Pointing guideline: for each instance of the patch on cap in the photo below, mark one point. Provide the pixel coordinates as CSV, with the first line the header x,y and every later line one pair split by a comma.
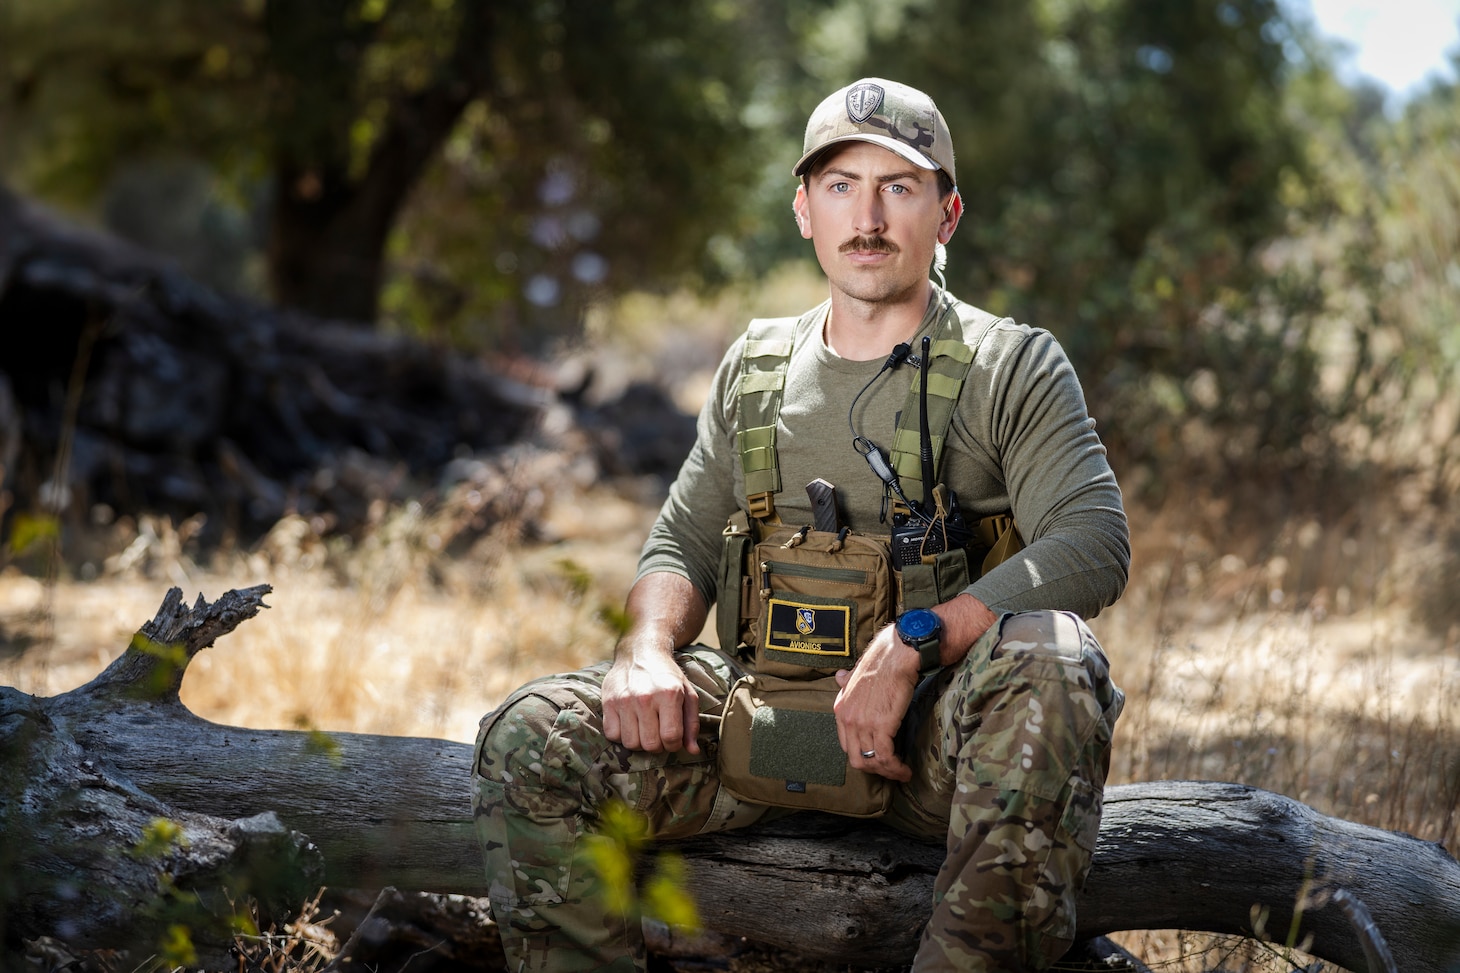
x,y
863,99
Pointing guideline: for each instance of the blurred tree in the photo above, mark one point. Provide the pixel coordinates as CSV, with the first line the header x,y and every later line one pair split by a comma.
x,y
1120,161
625,150
570,122
361,98
1188,198
1419,159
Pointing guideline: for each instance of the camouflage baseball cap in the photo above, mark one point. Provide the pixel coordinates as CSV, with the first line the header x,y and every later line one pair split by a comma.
x,y
885,113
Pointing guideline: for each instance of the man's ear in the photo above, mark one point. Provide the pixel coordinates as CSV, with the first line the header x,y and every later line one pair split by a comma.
x,y
802,211
952,213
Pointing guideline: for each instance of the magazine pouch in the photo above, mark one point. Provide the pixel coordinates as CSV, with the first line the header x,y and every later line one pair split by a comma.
x,y
734,596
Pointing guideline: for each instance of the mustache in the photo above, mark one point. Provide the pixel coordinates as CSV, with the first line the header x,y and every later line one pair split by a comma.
x,y
868,244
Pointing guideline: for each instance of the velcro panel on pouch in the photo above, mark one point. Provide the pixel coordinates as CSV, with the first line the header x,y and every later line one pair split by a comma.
x,y
797,746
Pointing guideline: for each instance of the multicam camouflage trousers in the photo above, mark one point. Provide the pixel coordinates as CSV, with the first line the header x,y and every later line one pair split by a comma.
x,y
1009,757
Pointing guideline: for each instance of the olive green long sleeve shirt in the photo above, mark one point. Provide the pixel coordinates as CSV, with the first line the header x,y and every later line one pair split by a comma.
x,y
1021,440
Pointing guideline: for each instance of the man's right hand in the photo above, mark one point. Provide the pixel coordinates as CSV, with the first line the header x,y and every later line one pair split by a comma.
x,y
649,703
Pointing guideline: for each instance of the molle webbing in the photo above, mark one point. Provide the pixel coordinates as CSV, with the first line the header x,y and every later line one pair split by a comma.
x,y
762,385
768,348
949,364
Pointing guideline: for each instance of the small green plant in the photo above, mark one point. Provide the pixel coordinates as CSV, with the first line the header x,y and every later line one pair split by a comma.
x,y
320,742
173,657
176,948
578,578
614,853
161,837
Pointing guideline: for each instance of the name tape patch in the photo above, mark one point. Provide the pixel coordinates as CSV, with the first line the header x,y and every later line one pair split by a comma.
x,y
811,629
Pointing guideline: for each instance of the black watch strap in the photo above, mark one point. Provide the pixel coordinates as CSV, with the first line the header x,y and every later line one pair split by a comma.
x,y
930,655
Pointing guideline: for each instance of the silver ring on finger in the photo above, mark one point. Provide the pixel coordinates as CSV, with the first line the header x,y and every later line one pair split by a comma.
x,y
869,754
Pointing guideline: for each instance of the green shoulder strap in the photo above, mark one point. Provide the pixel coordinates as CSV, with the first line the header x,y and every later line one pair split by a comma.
x,y
768,345
955,341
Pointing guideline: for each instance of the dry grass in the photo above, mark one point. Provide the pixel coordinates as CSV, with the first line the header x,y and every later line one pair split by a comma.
x,y
382,638
1231,675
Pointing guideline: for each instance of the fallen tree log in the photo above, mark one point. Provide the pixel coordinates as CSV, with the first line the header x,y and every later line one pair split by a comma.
x,y
93,775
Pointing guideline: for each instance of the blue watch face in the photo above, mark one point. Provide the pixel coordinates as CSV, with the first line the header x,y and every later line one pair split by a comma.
x,y
918,624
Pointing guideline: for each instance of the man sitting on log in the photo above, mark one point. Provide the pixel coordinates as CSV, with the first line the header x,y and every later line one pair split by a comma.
x,y
903,640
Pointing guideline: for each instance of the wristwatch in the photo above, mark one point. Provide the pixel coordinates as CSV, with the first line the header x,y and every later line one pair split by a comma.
x,y
923,630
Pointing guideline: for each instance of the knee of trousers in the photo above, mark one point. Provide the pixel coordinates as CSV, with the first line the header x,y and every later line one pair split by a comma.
x,y
1034,703
536,742
1056,647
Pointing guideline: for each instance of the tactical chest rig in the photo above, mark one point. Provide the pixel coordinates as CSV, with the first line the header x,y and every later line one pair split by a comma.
x,y
802,602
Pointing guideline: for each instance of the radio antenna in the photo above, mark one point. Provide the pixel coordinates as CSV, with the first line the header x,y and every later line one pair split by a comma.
x,y
925,438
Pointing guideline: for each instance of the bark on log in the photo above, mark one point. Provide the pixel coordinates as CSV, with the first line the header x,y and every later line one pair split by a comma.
x,y
90,768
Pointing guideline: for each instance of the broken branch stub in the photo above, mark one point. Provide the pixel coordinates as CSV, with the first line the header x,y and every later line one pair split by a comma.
x,y
153,665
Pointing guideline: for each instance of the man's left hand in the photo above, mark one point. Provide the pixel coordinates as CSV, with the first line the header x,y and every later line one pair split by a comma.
x,y
873,698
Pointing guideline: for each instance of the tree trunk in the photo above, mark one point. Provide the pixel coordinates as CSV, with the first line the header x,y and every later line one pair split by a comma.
x,y
89,774
329,224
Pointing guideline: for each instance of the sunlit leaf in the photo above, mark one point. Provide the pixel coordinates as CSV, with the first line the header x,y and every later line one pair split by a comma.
x,y
160,837
176,948
28,531
667,896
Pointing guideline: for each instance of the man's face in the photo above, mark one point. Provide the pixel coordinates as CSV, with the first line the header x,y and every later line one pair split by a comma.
x,y
874,219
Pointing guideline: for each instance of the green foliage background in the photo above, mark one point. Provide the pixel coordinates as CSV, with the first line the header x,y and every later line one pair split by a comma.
x,y
1256,269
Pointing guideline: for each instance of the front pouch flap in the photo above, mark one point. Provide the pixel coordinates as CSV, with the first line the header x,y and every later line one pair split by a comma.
x,y
778,746
935,580
822,598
